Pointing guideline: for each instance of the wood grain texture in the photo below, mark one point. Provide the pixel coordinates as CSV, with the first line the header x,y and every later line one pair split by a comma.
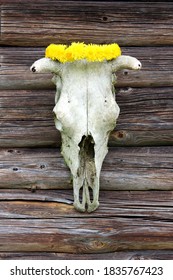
x,y
121,255
102,236
124,221
124,168
35,24
47,204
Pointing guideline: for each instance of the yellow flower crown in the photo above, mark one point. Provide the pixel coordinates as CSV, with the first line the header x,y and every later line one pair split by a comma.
x,y
78,51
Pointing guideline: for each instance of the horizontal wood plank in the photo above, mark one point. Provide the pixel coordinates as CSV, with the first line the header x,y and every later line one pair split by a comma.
x,y
25,80
123,255
45,204
123,169
84,235
44,225
157,68
41,23
146,118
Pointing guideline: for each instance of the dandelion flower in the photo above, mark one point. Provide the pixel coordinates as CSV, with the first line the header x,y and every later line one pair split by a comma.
x,y
79,51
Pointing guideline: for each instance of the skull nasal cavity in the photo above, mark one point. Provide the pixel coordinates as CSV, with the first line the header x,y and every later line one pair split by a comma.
x,y
87,144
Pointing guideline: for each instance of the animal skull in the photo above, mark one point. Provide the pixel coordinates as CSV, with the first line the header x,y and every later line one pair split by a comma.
x,y
85,114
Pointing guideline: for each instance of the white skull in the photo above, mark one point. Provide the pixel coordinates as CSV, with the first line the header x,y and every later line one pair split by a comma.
x,y
85,114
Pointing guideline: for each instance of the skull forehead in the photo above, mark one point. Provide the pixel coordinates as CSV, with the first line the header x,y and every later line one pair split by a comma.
x,y
87,68
86,102
81,76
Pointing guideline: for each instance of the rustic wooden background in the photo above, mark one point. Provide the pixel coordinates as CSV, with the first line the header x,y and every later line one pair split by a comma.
x,y
135,217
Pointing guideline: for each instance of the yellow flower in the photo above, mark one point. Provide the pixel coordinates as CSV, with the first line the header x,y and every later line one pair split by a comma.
x,y
55,52
92,52
78,51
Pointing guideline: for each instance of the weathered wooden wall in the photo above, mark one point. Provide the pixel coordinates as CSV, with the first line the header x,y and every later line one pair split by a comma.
x,y
37,219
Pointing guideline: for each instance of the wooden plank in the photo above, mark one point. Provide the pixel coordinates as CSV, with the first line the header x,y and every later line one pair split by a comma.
x,y
35,24
43,134
32,223
146,118
26,119
139,138
157,68
123,169
45,204
25,80
85,235
123,255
